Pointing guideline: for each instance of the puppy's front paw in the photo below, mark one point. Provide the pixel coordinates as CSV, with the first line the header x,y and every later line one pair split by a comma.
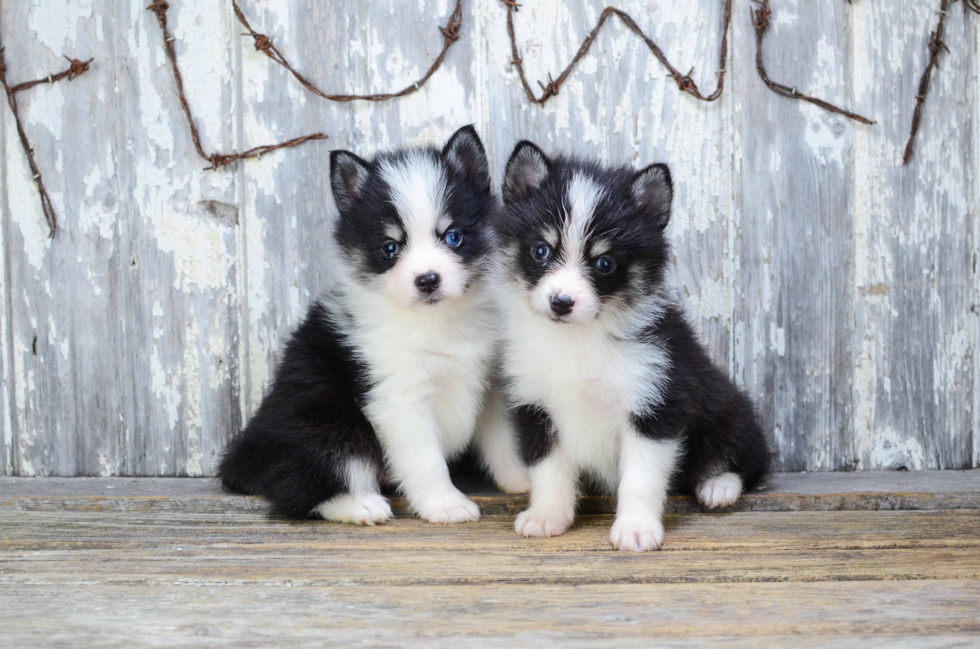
x,y
719,491
541,524
637,535
457,509
360,509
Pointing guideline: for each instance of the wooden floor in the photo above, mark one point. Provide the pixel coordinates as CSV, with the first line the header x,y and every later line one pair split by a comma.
x,y
100,563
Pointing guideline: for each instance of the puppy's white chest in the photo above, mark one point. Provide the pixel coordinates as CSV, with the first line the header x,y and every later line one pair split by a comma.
x,y
590,385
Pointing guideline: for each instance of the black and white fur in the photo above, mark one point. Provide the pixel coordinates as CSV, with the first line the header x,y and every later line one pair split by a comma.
x,y
388,375
606,377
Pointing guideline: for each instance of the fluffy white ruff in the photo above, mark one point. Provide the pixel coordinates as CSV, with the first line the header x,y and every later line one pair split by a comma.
x,y
589,377
429,367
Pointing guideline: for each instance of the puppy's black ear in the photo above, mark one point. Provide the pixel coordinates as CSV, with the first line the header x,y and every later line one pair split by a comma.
x,y
465,152
348,175
654,192
526,171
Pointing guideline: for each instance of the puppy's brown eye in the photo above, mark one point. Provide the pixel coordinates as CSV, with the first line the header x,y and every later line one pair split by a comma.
x,y
605,264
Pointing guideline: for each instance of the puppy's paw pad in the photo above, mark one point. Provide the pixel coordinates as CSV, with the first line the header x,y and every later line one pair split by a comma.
x,y
719,491
637,536
534,524
360,509
463,510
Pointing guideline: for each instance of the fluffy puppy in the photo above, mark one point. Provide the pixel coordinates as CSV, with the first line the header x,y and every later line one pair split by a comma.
x,y
606,377
387,377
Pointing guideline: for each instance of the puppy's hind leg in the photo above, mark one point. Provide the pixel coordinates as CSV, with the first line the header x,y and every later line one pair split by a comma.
x,y
362,503
719,491
495,441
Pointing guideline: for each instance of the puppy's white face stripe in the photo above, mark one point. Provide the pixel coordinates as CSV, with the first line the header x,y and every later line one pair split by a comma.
x,y
418,189
570,278
583,195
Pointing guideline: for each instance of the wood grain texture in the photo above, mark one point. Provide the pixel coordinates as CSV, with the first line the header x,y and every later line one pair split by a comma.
x,y
852,491
795,235
236,579
134,304
837,286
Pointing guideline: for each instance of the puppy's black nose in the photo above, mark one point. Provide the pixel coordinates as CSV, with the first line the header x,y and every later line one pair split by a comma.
x,y
562,304
428,282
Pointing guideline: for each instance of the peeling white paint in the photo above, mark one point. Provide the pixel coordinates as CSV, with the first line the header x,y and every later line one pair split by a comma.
x,y
893,450
55,23
740,178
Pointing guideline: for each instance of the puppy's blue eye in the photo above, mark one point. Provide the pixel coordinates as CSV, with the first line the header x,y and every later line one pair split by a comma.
x,y
605,265
390,249
541,251
454,238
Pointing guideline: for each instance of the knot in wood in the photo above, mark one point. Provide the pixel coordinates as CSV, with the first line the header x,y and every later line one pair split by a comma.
x,y
511,3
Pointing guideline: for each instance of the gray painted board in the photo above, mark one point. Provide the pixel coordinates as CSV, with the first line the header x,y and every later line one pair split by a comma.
x,y
837,286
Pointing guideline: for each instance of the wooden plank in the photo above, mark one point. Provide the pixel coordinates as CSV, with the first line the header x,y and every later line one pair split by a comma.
x,y
795,237
179,250
921,614
167,548
238,579
6,371
916,325
59,288
133,305
930,490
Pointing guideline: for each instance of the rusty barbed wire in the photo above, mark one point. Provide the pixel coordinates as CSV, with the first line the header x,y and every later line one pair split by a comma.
x,y
936,45
75,69
760,22
684,81
217,160
264,44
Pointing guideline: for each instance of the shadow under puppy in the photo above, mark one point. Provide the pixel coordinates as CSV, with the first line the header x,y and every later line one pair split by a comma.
x,y
605,375
388,375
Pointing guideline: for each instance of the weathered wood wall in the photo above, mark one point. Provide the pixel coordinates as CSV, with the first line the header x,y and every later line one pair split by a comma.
x,y
839,287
